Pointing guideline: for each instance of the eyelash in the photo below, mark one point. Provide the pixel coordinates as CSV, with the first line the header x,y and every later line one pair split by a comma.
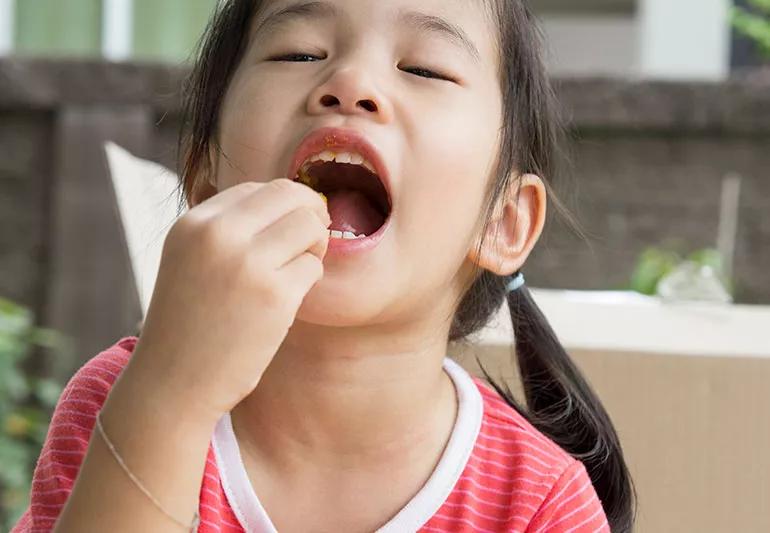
x,y
410,70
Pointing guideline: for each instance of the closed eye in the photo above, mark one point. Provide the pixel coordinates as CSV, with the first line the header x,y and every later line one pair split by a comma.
x,y
426,73
297,58
309,58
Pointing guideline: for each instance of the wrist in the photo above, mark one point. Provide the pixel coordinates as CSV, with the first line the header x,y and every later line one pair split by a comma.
x,y
152,398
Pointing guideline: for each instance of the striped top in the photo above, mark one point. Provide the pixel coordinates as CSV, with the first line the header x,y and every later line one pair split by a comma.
x,y
496,473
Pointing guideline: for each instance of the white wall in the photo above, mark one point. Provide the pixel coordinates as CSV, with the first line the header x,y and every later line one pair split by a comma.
x,y
117,25
6,26
685,39
583,45
659,39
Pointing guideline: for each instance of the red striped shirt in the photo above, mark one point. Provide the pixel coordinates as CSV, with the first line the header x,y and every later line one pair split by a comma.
x,y
513,478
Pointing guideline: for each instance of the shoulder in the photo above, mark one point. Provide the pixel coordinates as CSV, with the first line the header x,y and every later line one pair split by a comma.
x,y
504,428
539,482
74,416
87,389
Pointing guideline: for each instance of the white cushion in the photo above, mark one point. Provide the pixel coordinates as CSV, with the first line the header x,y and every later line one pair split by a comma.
x,y
148,204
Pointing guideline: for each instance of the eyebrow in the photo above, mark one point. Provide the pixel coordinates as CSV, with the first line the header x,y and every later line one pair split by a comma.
x,y
415,19
303,10
438,25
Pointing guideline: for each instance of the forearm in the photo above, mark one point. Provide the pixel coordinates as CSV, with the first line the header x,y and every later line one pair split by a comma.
x,y
161,445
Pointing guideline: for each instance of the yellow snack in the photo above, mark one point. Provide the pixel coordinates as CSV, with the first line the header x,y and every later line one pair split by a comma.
x,y
308,180
305,178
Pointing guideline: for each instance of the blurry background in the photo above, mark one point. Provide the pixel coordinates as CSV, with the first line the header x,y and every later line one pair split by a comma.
x,y
668,108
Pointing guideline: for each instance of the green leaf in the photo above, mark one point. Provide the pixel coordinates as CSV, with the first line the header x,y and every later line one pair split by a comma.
x,y
753,26
14,502
15,458
47,338
762,5
47,391
23,423
653,264
15,320
712,258
14,385
707,257
34,421
12,347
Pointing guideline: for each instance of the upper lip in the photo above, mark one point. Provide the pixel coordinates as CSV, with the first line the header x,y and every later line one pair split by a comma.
x,y
340,140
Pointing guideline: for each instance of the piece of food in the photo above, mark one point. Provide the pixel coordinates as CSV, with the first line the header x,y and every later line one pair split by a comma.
x,y
311,182
307,179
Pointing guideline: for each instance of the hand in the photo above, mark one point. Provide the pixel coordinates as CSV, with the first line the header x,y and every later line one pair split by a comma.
x,y
233,273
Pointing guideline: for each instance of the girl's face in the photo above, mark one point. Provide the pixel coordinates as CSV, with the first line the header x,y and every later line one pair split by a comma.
x,y
418,79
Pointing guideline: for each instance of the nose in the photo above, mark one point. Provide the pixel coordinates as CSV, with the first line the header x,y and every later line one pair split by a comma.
x,y
350,91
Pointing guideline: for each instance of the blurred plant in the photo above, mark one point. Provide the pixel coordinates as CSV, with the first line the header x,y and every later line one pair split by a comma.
x,y
754,23
655,263
25,406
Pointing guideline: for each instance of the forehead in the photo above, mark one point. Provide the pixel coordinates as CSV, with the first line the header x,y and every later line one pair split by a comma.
x,y
467,22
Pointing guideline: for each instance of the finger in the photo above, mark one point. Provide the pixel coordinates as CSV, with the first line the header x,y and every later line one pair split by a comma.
x,y
293,234
255,205
224,199
304,271
275,200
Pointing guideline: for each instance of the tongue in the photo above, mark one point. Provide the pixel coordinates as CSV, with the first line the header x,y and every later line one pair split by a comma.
x,y
351,210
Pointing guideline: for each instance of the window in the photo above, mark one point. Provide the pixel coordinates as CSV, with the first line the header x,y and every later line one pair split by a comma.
x,y
168,29
157,30
57,28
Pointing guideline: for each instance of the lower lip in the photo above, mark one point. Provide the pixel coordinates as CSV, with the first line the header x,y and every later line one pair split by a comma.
x,y
355,246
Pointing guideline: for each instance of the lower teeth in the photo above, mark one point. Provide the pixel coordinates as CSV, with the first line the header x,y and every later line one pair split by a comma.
x,y
334,234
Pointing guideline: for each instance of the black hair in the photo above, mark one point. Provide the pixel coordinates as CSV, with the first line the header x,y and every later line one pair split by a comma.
x,y
559,401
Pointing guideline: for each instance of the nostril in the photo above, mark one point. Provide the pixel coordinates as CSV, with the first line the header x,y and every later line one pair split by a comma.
x,y
368,105
329,100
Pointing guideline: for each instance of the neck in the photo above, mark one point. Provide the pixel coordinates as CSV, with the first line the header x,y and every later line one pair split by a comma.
x,y
349,398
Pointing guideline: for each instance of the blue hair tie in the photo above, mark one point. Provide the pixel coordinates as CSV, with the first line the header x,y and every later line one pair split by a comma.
x,y
515,282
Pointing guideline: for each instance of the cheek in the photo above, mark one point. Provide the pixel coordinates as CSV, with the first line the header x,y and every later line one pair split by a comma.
x,y
250,124
440,215
446,196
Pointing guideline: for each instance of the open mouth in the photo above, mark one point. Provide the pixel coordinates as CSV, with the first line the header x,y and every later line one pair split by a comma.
x,y
358,202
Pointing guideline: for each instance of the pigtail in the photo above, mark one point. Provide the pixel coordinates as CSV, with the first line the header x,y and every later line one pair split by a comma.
x,y
562,405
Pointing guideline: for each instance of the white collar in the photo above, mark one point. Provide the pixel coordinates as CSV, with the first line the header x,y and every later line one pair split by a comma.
x,y
253,518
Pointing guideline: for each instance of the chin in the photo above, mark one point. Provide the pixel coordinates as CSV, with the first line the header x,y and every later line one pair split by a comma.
x,y
343,306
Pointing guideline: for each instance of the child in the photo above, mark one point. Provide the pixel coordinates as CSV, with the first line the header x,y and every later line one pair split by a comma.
x,y
292,371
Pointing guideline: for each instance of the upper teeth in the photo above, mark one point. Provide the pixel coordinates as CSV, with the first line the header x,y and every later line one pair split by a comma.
x,y
351,158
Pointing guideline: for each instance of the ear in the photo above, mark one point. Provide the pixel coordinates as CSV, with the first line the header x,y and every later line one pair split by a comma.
x,y
514,228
